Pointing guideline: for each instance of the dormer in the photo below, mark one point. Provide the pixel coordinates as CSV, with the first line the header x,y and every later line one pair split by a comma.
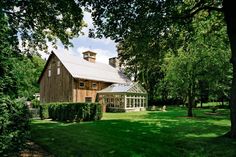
x,y
89,56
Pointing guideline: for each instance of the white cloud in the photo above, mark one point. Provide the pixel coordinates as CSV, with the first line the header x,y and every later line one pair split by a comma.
x,y
105,41
89,21
51,48
105,47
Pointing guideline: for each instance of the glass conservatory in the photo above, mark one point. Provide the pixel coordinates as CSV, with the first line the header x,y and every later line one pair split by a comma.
x,y
124,97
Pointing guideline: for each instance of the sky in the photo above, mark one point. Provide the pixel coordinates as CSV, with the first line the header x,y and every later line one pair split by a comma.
x,y
105,47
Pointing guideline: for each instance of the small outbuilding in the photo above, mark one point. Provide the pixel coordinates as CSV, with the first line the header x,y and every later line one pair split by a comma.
x,y
124,97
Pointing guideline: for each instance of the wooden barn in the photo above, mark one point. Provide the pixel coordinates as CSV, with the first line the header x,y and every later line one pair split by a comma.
x,y
70,78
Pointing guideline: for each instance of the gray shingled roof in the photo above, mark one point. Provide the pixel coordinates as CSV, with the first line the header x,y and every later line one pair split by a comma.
x,y
133,87
80,68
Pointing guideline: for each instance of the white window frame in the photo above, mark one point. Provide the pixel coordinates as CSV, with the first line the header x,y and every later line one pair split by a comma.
x,y
58,70
94,87
49,72
83,84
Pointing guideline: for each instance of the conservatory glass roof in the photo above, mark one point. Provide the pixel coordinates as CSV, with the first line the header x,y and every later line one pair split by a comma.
x,y
133,87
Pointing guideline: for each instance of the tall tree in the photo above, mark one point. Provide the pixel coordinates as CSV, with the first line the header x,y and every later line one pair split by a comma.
x,y
26,72
117,19
140,65
39,21
33,23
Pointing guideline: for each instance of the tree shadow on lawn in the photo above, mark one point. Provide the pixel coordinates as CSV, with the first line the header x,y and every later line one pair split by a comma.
x,y
155,135
201,135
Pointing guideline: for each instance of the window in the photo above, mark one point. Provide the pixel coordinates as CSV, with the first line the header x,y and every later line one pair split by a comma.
x,y
88,99
58,68
94,85
58,71
49,73
81,84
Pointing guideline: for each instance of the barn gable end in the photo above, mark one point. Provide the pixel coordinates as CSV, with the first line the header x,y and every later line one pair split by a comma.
x,y
56,83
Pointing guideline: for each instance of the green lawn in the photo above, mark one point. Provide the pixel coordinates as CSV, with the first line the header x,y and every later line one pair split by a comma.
x,y
136,134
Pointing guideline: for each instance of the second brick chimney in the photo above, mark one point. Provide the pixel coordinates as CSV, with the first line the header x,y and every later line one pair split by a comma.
x,y
114,62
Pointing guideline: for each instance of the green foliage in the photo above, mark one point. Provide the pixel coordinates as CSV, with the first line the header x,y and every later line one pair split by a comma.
x,y
71,111
26,72
14,125
37,22
199,61
18,74
43,111
7,52
147,30
35,103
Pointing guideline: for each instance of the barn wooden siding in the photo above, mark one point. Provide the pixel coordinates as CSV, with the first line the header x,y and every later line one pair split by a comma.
x,y
79,94
57,88
65,88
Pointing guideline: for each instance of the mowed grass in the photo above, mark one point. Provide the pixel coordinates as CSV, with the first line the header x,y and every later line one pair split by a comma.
x,y
139,134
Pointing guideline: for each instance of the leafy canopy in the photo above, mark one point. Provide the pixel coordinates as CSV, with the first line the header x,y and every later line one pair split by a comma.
x,y
38,21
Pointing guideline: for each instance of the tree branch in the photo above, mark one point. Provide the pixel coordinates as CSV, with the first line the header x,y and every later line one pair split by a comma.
x,y
198,7
21,18
12,14
208,8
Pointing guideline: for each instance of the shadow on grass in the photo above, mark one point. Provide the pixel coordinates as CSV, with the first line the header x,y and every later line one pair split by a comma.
x,y
154,134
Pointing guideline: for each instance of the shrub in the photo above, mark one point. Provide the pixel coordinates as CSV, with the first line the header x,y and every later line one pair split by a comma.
x,y
72,111
43,111
14,125
35,103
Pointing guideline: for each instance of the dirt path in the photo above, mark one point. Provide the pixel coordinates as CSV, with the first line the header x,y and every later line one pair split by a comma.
x,y
34,150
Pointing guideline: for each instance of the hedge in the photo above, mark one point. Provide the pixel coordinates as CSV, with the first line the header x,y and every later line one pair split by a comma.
x,y
43,111
71,112
14,125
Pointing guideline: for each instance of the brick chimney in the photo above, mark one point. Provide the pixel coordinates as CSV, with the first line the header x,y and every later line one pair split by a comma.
x,y
114,62
89,56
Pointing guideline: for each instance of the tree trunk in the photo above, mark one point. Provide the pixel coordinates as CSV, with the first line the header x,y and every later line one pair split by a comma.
x,y
190,110
230,18
233,104
190,104
201,100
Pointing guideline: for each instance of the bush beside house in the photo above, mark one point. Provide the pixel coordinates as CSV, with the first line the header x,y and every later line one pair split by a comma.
x,y
71,111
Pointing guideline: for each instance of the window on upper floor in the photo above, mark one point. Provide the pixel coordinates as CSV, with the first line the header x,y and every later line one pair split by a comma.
x,y
58,68
94,85
58,71
81,84
49,71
